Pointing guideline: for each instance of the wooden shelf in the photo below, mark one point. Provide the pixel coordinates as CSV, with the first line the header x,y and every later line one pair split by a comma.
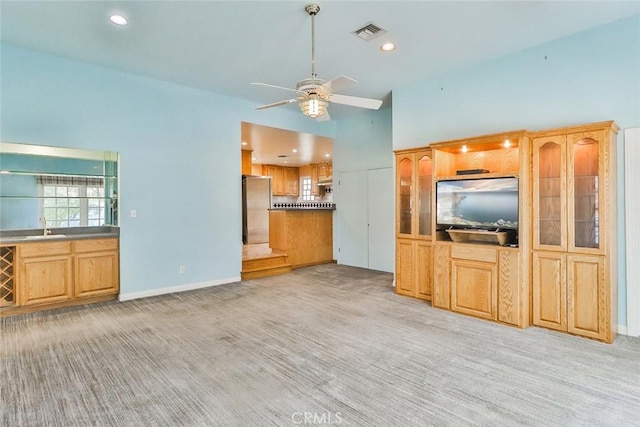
x,y
477,176
497,237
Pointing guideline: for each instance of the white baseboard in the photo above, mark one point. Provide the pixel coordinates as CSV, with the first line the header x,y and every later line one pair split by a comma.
x,y
622,330
174,289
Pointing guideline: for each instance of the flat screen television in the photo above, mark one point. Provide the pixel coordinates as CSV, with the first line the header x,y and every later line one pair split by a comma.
x,y
483,203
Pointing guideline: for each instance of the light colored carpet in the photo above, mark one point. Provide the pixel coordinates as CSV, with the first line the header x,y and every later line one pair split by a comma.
x,y
330,342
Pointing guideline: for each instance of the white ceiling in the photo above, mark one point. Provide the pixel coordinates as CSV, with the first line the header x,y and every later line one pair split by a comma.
x,y
222,46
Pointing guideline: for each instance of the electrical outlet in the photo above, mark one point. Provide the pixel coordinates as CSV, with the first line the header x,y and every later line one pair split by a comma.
x,y
182,269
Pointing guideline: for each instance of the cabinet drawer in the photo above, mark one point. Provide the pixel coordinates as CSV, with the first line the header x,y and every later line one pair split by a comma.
x,y
95,245
44,249
474,253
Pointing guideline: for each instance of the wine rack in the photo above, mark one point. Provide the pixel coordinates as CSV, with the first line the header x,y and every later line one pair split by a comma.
x,y
7,276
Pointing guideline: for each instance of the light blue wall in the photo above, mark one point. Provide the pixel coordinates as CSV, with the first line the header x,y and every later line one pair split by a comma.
x,y
179,158
364,141
589,77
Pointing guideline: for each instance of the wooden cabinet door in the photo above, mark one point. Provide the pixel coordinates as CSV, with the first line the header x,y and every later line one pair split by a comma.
x,y
549,290
313,171
404,267
588,304
277,180
246,162
587,206
45,280
423,196
550,193
441,293
291,178
323,171
474,288
423,261
405,185
96,274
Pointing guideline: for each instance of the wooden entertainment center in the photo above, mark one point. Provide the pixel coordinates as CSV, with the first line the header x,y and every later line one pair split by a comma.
x,y
556,270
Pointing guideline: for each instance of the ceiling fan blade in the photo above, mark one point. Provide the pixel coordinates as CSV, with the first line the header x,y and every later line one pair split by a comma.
x,y
278,87
324,118
337,84
354,101
275,104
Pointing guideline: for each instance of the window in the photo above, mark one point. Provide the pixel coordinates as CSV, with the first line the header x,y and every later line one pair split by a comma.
x,y
306,189
72,201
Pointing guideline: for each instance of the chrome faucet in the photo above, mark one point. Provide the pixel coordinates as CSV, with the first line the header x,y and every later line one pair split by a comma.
x,y
45,230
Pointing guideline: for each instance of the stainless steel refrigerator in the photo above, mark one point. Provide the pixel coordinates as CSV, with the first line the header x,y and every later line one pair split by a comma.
x,y
256,202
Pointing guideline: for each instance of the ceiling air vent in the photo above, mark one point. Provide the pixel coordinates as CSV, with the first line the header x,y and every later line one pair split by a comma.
x,y
369,31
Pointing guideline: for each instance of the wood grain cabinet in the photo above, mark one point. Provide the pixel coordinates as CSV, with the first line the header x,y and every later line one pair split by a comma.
x,y
45,273
560,271
574,228
96,267
414,250
292,181
285,181
58,273
480,280
313,172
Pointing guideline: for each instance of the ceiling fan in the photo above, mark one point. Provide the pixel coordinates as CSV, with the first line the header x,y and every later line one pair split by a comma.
x,y
314,94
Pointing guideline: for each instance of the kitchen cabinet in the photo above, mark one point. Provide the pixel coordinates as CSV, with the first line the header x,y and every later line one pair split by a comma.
x,y
45,273
574,229
285,181
37,275
246,162
313,172
96,267
292,181
325,170
413,223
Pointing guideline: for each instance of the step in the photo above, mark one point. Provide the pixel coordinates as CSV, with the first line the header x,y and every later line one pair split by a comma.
x,y
273,260
265,271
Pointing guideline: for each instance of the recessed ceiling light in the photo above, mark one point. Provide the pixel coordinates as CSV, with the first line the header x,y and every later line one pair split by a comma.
x,y
294,150
243,143
464,149
327,155
286,161
387,47
507,143
118,19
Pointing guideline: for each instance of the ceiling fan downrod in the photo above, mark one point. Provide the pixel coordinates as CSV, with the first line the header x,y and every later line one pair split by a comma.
x,y
312,9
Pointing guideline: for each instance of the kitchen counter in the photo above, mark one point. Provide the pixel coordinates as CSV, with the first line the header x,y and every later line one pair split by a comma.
x,y
58,234
305,235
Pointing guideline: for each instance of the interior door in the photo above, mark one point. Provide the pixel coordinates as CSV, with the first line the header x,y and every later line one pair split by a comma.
x,y
381,224
351,219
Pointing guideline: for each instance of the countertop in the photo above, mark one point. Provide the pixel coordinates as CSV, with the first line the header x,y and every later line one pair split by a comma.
x,y
71,233
310,206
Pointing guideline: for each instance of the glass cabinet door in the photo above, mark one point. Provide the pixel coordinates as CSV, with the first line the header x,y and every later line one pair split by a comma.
x,y
405,194
549,192
424,182
584,211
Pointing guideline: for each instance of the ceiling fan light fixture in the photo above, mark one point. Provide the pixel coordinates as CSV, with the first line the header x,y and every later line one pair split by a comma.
x,y
313,106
